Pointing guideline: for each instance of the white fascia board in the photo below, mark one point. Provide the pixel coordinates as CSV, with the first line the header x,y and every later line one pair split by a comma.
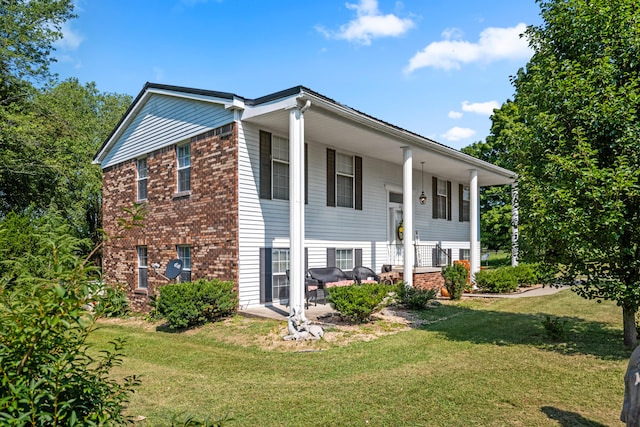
x,y
411,139
281,104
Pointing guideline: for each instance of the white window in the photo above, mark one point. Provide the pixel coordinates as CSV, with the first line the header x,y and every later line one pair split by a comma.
x,y
344,180
184,254
280,167
344,259
143,273
442,194
184,167
280,264
465,203
142,178
465,254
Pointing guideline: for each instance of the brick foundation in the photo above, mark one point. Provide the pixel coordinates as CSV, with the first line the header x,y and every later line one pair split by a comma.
x,y
206,218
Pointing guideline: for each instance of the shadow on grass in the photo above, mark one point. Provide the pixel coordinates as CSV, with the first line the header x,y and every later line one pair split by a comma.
x,y
502,328
569,419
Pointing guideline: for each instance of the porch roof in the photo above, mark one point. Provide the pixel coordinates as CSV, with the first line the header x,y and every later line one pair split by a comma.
x,y
331,123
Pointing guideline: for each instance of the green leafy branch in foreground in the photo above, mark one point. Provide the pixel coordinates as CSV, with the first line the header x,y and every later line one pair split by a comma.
x,y
48,373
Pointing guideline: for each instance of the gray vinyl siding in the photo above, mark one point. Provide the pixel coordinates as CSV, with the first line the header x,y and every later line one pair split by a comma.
x,y
163,121
265,223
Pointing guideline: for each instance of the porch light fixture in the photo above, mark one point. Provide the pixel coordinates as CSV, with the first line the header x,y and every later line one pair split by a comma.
x,y
422,198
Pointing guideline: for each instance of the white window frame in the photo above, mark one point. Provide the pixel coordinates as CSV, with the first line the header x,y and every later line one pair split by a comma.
x,y
442,202
279,156
340,201
466,203
345,258
142,177
184,167
181,251
143,264
280,263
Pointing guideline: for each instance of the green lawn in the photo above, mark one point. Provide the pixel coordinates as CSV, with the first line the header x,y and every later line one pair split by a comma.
x,y
480,362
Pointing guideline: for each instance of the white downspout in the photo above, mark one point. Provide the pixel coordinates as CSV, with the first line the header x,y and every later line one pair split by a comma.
x,y
407,203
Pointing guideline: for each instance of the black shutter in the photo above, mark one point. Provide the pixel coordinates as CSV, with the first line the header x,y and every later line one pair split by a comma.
x,y
449,262
265,165
460,203
357,257
358,183
306,174
331,177
448,200
331,257
266,276
306,261
434,196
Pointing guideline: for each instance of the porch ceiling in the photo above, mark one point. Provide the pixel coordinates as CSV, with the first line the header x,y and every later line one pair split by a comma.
x,y
352,132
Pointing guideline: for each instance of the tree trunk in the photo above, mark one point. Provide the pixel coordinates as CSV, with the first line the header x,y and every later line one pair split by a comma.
x,y
629,322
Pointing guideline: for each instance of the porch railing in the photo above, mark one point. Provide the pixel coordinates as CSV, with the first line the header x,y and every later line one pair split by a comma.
x,y
425,255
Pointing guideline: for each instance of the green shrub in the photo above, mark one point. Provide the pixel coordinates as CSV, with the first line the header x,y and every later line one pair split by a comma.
x,y
48,374
455,280
189,304
413,298
500,280
358,302
111,300
526,274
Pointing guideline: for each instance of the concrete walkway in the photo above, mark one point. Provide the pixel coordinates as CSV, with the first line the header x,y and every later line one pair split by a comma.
x,y
281,312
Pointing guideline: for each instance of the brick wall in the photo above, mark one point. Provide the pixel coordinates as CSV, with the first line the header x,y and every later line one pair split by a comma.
x,y
206,218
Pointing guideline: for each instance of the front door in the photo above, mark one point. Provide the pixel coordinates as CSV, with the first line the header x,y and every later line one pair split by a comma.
x,y
394,234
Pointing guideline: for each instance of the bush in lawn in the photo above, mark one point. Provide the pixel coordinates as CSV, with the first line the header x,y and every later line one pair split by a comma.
x,y
414,298
500,280
455,280
526,274
358,302
189,304
48,375
111,300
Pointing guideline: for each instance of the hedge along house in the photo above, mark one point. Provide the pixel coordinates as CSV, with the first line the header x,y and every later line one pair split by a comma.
x,y
245,189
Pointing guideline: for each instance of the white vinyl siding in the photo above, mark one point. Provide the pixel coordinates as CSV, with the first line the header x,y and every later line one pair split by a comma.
x,y
164,121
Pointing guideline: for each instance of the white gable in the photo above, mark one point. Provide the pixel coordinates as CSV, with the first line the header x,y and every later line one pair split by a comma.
x,y
162,121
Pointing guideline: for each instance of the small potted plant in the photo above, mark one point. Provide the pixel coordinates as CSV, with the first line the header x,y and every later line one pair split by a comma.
x,y
455,280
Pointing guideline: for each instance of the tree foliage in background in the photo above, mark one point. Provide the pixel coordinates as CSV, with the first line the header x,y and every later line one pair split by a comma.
x,y
49,133
573,132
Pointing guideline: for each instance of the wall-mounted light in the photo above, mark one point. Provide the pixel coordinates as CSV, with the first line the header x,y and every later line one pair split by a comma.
x,y
422,198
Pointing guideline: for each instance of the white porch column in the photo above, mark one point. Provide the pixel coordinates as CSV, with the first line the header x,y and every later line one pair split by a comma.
x,y
515,205
474,223
407,207
296,210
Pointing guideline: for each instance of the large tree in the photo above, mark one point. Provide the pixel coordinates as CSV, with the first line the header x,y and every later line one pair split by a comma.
x,y
575,140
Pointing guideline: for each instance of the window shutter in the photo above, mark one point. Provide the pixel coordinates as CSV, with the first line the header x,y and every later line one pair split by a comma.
x,y
265,165
448,200
357,257
331,177
306,173
331,257
460,203
306,261
434,196
266,275
449,252
358,183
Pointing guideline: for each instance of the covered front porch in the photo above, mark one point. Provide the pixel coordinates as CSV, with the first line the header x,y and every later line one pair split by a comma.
x,y
415,218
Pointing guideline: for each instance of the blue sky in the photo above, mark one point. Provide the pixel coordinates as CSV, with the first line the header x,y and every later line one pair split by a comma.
x,y
433,67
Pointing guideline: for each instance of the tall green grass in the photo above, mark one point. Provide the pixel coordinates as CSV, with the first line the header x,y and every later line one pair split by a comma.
x,y
476,362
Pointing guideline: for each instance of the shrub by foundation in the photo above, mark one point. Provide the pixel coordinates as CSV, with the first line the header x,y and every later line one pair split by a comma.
x,y
189,304
455,280
414,298
358,302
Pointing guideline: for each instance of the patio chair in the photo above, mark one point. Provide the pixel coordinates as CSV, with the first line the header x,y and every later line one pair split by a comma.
x,y
365,273
324,275
310,289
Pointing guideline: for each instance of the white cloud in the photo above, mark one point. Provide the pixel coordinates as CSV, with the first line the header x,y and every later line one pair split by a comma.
x,y
483,108
455,114
70,40
369,24
494,44
457,133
